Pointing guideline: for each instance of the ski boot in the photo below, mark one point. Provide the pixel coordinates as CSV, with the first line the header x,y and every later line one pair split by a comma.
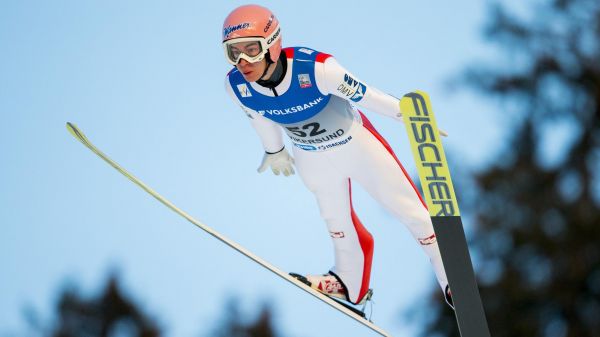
x,y
330,286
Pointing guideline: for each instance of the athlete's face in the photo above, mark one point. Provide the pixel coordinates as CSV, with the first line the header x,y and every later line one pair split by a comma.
x,y
252,71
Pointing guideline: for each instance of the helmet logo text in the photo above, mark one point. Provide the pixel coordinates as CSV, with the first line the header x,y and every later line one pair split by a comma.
x,y
274,37
269,23
230,29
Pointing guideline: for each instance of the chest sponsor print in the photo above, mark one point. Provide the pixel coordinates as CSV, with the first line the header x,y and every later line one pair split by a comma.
x,y
291,110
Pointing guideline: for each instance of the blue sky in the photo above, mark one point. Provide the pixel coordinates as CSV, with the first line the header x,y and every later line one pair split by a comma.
x,y
144,81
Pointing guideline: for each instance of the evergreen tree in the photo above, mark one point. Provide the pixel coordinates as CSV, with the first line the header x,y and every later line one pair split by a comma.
x,y
110,313
236,324
536,209
113,314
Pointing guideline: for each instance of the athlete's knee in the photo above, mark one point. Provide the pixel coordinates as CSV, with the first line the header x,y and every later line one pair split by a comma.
x,y
407,208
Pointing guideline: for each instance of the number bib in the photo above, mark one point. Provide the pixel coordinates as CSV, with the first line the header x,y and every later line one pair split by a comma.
x,y
327,129
314,122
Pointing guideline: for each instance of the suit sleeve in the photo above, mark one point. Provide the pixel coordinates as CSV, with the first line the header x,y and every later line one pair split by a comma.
x,y
334,79
268,132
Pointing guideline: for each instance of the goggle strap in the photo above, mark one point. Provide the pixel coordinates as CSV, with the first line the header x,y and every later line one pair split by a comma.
x,y
272,38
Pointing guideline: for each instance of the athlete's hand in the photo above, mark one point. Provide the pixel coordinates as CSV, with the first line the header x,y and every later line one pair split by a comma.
x,y
279,162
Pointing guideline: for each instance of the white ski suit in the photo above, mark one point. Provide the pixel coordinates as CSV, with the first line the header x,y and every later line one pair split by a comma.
x,y
335,144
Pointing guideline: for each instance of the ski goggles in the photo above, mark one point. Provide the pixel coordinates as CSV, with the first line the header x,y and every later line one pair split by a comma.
x,y
251,49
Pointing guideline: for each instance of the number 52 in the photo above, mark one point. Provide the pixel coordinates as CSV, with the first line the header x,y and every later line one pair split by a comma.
x,y
314,130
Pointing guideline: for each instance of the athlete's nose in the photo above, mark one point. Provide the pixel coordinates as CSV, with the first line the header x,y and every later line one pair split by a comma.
x,y
243,62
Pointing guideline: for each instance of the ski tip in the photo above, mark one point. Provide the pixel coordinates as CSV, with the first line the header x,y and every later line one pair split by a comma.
x,y
75,132
71,127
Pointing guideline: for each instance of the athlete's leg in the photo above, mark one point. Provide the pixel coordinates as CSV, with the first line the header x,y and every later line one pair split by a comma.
x,y
353,244
373,165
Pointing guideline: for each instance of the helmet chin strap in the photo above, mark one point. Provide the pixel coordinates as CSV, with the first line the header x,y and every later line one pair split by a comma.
x,y
269,63
278,68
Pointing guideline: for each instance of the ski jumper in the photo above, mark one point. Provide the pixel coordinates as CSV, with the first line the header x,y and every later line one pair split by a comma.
x,y
335,145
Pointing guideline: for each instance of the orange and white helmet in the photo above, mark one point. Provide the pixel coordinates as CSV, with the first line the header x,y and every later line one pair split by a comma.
x,y
249,33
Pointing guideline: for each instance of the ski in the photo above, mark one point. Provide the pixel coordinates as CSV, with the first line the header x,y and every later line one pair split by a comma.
x,y
438,189
79,135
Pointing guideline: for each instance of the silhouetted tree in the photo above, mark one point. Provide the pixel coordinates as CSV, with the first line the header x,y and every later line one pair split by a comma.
x,y
109,314
113,314
236,324
537,208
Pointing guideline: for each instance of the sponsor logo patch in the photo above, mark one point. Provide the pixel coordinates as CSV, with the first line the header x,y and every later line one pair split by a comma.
x,y
331,287
352,88
306,51
360,93
428,240
306,147
304,80
337,235
244,91
350,81
344,89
